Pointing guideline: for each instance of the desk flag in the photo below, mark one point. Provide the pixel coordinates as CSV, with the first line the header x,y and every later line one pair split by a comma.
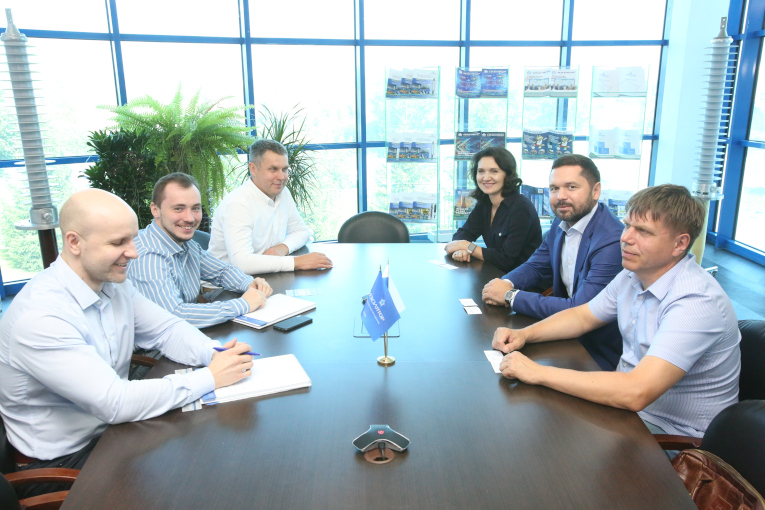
x,y
383,306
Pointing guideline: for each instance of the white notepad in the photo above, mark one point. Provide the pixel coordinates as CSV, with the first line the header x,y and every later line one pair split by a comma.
x,y
277,308
269,375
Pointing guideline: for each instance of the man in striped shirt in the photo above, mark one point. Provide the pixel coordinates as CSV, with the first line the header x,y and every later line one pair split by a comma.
x,y
680,358
170,264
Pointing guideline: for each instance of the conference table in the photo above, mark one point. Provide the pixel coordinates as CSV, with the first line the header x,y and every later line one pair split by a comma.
x,y
478,440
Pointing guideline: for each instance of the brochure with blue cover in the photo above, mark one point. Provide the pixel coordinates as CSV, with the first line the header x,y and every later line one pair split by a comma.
x,y
494,82
468,83
466,144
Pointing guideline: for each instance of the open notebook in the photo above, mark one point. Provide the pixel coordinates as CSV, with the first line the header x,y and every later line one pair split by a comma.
x,y
269,375
277,308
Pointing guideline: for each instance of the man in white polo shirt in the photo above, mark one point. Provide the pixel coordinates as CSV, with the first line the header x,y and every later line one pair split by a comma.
x,y
680,362
257,225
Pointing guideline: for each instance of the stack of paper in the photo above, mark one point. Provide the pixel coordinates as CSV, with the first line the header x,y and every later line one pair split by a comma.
x,y
278,307
269,375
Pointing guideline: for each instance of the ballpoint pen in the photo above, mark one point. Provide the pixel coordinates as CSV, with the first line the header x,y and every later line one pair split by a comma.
x,y
222,349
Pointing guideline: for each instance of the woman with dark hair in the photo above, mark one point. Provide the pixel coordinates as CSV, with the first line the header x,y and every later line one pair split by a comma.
x,y
504,217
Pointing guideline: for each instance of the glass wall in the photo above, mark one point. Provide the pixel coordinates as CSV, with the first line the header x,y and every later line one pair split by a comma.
x,y
326,58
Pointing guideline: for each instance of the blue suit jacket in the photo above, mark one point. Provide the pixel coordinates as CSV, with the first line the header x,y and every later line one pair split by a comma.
x,y
598,261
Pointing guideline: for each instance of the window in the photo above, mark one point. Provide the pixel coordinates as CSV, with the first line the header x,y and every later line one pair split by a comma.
x,y
307,54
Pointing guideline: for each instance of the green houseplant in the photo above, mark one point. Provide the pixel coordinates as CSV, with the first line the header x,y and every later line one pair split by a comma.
x,y
288,128
126,168
194,138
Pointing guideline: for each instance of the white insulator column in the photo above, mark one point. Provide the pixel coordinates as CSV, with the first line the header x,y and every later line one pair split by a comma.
x,y
43,212
43,215
715,114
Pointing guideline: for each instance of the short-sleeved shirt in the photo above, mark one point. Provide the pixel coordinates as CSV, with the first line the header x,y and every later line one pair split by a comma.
x,y
684,318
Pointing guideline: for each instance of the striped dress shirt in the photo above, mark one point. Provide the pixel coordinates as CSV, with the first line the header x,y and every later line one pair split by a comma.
x,y
169,274
684,318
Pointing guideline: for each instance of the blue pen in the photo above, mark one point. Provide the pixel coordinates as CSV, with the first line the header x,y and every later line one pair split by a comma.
x,y
222,349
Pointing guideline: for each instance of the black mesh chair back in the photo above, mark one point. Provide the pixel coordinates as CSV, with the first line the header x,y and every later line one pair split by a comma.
x,y
203,238
373,227
751,385
8,498
7,464
737,436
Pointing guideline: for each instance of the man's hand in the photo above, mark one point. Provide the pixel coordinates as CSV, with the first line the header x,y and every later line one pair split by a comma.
x,y
280,250
255,298
494,292
517,366
313,260
231,366
461,256
262,285
508,340
455,246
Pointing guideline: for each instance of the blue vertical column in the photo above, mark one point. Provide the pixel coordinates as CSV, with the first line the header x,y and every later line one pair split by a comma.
x,y
660,94
361,106
116,43
566,35
247,71
739,121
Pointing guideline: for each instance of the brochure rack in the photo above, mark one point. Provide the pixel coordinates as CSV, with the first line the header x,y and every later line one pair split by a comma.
x,y
617,118
549,126
480,121
412,128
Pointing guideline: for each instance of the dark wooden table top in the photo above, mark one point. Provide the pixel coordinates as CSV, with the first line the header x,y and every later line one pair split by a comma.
x,y
477,440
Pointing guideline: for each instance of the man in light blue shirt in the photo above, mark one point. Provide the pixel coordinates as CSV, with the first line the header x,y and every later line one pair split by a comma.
x,y
680,362
67,339
171,265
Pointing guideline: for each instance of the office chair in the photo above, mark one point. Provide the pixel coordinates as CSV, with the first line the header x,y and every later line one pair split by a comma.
x,y
10,479
751,385
735,436
373,227
203,238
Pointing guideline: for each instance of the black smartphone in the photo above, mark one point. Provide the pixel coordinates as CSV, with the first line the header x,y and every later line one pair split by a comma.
x,y
292,323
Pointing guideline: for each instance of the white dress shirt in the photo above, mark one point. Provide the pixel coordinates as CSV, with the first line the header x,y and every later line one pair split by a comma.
x,y
247,223
571,249
65,355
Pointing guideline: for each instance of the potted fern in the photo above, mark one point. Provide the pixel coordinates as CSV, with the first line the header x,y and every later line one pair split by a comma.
x,y
194,138
289,129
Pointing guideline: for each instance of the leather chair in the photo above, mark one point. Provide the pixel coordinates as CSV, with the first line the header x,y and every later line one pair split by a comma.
x,y
736,437
203,238
11,479
373,227
752,382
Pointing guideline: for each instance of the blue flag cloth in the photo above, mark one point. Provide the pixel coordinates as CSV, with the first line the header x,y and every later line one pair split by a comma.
x,y
380,311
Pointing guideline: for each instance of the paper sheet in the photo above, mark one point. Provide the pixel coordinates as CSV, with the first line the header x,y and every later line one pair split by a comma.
x,y
495,358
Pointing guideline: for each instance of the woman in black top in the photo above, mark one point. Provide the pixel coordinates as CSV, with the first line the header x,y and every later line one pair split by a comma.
x,y
506,219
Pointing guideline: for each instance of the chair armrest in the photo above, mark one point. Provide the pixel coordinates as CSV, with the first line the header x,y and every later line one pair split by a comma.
x,y
671,442
42,475
50,501
144,361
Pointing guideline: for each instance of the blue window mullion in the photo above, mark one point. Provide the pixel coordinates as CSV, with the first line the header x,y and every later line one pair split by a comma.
x,y
740,117
247,70
116,42
361,106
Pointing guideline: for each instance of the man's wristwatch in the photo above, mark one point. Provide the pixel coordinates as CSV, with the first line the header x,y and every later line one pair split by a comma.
x,y
471,248
510,297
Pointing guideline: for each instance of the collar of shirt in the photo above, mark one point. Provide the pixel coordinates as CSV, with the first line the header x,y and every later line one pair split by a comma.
x,y
661,287
262,196
580,225
167,242
80,290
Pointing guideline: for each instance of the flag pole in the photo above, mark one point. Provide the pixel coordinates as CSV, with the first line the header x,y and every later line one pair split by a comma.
x,y
386,361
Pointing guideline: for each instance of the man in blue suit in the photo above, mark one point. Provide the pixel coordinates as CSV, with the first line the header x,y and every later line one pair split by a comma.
x,y
578,257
